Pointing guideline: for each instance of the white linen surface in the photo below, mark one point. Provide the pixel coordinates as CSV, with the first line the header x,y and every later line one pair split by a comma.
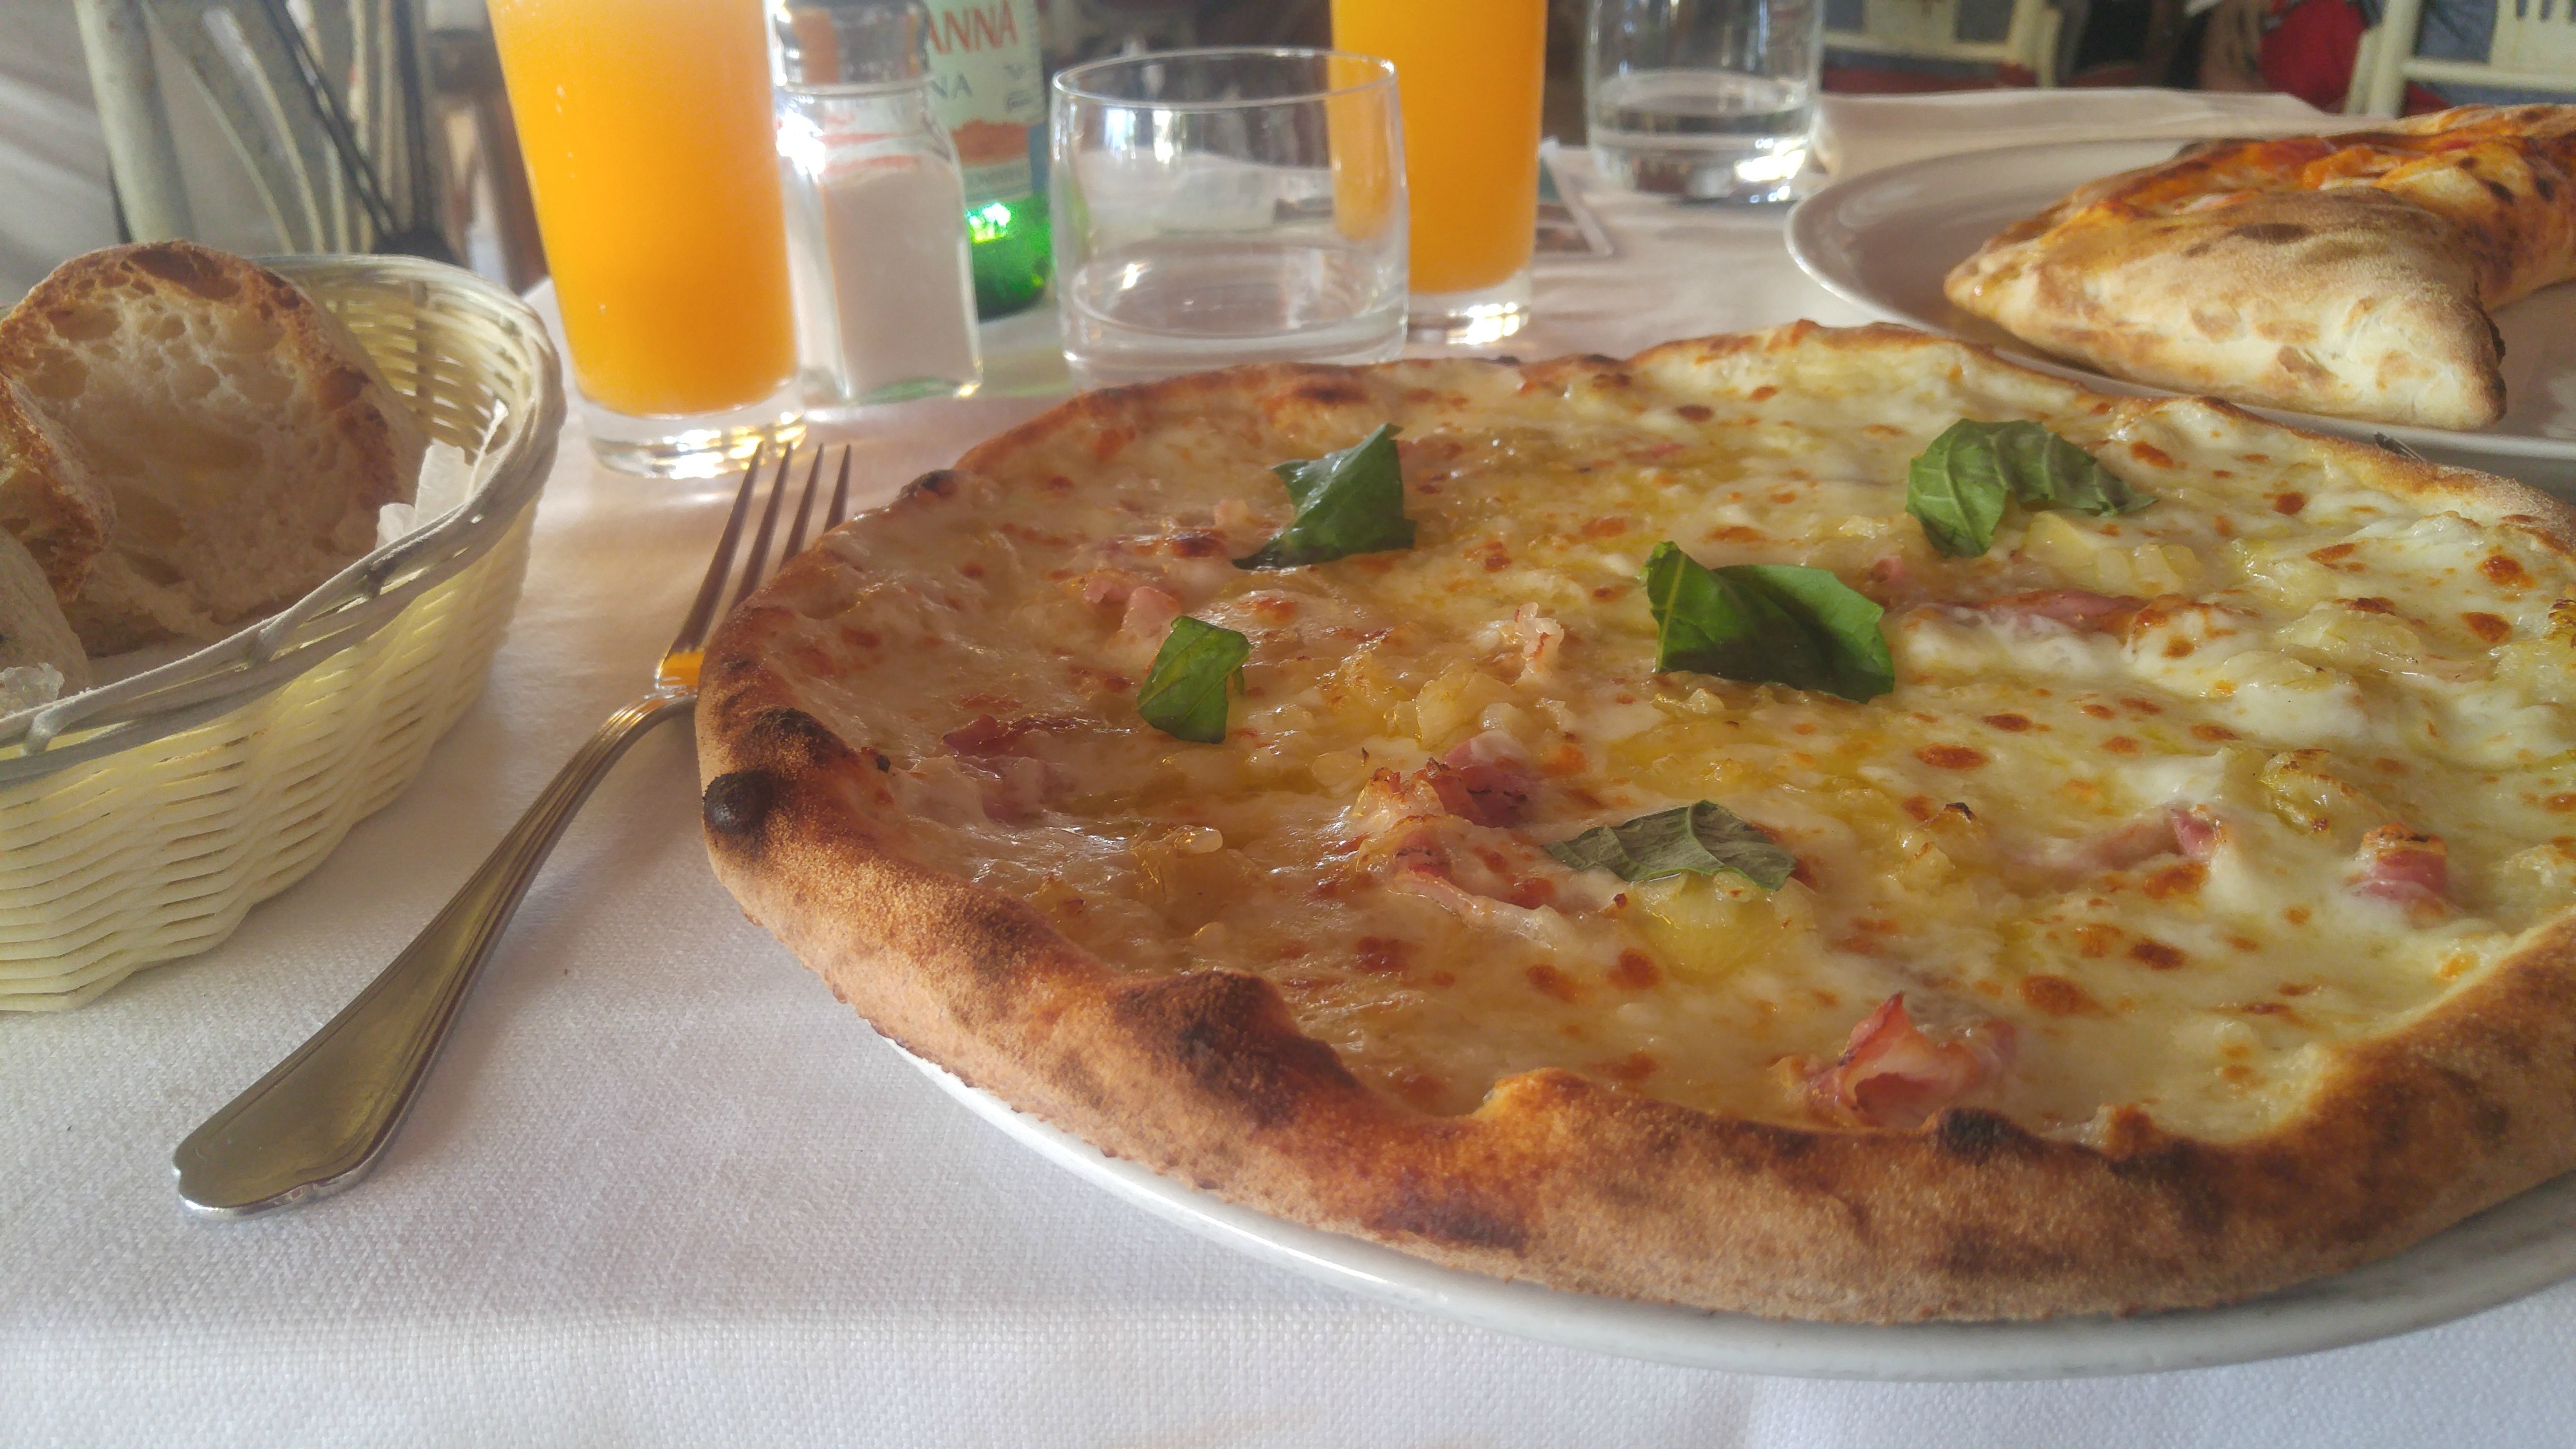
x,y
663,1189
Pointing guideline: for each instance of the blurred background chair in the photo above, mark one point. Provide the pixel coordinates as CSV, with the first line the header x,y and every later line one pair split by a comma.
x,y
2531,48
312,126
2015,41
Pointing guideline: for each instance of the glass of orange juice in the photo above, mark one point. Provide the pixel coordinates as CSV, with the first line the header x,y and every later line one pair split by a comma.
x,y
1467,74
654,164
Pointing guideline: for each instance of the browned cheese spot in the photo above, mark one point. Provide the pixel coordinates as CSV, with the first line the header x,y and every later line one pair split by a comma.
x,y
2176,880
2058,996
1631,1069
2505,571
1551,982
2094,939
2155,955
1636,971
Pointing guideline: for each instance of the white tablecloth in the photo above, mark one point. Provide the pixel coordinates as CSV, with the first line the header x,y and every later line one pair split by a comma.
x,y
663,1189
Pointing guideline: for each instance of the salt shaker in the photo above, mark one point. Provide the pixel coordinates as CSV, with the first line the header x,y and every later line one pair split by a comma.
x,y
876,204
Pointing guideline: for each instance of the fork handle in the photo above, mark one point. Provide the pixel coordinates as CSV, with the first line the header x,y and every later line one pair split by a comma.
x,y
320,1118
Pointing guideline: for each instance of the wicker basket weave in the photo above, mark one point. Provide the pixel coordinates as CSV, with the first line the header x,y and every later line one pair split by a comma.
x,y
139,821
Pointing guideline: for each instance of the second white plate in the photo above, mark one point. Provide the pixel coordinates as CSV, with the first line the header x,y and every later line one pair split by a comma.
x,y
1884,240
2505,1253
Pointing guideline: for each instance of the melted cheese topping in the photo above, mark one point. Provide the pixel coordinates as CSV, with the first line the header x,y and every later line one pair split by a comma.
x,y
1993,839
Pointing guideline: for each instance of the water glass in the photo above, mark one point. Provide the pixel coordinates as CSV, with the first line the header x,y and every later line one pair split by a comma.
x,y
1222,206
1712,100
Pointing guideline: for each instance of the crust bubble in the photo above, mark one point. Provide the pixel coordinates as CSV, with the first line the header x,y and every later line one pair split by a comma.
x,y
738,802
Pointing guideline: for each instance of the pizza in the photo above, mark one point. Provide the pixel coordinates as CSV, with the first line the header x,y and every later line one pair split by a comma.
x,y
1827,824
2350,275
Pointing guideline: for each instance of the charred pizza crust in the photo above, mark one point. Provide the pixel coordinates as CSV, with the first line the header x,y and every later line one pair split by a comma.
x,y
2350,275
1206,1076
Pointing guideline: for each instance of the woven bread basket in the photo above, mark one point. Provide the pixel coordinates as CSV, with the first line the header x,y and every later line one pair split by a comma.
x,y
140,820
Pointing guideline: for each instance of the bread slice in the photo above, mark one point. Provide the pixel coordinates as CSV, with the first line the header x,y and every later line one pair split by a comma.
x,y
50,501
32,629
244,437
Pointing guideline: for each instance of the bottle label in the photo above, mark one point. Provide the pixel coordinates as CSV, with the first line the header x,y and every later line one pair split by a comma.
x,y
989,91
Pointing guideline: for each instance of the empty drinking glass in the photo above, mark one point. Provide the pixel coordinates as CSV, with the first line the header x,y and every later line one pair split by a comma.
x,y
1223,206
1713,100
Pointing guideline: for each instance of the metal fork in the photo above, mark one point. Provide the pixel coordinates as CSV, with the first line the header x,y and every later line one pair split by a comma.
x,y
319,1120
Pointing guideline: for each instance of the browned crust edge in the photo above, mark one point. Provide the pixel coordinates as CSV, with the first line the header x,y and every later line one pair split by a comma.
x,y
2473,269
1205,1078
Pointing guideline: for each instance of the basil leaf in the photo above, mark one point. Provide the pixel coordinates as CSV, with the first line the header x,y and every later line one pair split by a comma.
x,y
1959,485
1956,488
1347,502
2071,478
1184,694
1776,623
1704,838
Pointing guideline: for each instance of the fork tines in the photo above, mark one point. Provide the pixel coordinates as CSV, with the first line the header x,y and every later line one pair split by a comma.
x,y
765,477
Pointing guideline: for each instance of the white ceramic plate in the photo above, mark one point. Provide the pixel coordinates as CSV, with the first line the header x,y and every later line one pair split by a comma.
x,y
1883,240
2500,1255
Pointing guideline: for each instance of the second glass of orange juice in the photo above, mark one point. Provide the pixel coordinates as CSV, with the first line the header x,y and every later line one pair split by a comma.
x,y
654,163
1468,75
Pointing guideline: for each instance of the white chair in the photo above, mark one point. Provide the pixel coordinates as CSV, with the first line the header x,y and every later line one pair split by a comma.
x,y
1929,30
323,101
2534,49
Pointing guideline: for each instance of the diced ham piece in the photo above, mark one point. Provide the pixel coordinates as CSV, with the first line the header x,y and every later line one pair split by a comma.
x,y
1495,795
1014,783
986,736
2190,831
1184,563
2142,839
1419,853
1892,1075
2193,832
2197,830
982,735
1102,587
1150,612
1420,864
2082,610
2395,864
1485,779
1015,788
1492,747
